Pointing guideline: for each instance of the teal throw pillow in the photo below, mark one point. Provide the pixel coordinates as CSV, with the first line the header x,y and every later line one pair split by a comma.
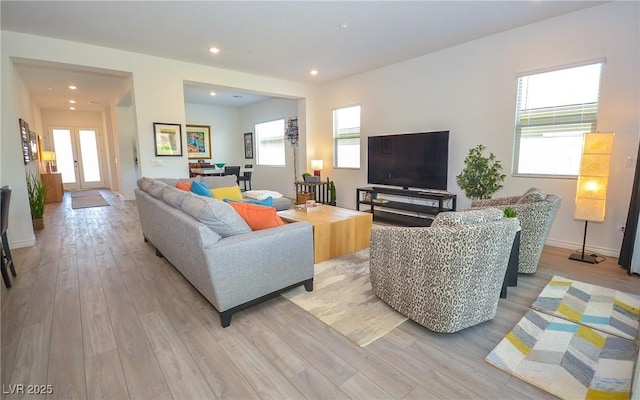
x,y
268,202
201,188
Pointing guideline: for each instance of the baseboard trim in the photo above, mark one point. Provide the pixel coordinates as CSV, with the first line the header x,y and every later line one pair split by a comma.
x,y
17,244
575,246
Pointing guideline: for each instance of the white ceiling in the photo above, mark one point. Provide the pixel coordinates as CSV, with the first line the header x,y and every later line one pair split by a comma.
x,y
272,38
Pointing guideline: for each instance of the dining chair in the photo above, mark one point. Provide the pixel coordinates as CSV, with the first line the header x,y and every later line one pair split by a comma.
x,y
7,259
246,176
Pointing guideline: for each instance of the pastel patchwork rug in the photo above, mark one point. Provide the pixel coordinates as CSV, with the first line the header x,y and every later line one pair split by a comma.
x,y
599,307
566,359
343,299
577,341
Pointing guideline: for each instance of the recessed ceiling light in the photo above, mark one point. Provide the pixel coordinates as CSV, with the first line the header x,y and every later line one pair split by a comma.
x,y
314,72
73,87
72,101
212,93
72,108
214,50
343,25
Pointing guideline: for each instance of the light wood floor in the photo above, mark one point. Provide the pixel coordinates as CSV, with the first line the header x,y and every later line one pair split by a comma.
x,y
95,314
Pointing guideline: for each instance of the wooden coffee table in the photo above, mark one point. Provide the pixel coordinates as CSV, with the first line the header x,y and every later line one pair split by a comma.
x,y
336,231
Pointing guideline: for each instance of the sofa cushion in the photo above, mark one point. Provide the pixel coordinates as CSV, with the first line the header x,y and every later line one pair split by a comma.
x,y
256,216
532,195
144,183
201,188
477,216
173,196
156,188
214,182
229,192
217,215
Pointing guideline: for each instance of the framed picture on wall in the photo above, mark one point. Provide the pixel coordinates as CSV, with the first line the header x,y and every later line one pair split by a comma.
x,y
24,140
248,145
198,141
33,145
167,139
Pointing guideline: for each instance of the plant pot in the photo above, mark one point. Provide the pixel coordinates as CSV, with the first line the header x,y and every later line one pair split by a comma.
x,y
38,224
312,179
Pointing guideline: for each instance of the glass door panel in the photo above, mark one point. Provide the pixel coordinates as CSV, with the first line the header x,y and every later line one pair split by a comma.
x,y
65,160
89,155
78,157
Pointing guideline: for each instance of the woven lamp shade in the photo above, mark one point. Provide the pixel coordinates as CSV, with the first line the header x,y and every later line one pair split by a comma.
x,y
591,193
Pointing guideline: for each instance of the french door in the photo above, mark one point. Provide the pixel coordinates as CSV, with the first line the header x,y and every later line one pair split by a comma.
x,y
78,157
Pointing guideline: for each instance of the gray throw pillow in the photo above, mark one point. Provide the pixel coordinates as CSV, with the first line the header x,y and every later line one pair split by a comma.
x,y
173,196
219,216
156,188
144,183
214,182
532,195
453,218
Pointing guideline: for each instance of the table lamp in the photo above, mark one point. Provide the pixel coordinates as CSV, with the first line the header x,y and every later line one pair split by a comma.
x,y
316,166
48,156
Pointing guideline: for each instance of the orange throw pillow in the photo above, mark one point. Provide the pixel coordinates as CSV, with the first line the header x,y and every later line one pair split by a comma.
x,y
256,216
186,185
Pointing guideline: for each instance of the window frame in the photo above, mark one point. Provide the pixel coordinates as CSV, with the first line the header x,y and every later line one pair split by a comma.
x,y
336,139
595,106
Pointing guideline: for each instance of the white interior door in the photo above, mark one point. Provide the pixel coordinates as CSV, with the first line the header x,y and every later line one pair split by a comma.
x,y
78,157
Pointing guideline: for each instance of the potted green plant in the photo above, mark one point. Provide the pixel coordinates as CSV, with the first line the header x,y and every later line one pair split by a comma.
x,y
332,193
481,175
510,213
35,190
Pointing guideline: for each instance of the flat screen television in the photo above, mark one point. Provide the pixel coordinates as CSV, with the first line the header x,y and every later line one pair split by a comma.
x,y
416,160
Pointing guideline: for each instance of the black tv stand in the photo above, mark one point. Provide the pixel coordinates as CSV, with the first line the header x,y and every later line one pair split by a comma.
x,y
404,206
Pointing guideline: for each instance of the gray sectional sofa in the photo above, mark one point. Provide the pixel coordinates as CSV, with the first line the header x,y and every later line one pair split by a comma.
x,y
213,247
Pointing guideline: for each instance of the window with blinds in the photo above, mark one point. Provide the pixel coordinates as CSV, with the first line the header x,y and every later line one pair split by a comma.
x,y
346,137
554,110
270,143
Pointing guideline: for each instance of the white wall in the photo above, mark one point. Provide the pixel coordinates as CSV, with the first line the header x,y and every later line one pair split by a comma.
x,y
16,103
275,178
471,89
224,124
157,92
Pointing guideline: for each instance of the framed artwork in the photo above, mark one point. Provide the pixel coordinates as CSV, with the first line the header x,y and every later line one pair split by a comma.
x,y
167,139
198,141
33,145
24,140
248,145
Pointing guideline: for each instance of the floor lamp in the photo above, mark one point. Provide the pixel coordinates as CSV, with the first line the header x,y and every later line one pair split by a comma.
x,y
591,192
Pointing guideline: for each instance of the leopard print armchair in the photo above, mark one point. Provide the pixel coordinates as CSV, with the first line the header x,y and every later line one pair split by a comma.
x,y
448,276
536,211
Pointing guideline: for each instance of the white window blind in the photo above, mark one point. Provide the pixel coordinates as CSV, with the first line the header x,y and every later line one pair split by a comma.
x,y
554,109
270,143
346,137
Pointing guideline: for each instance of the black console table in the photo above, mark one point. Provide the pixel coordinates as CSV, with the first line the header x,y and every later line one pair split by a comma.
x,y
404,206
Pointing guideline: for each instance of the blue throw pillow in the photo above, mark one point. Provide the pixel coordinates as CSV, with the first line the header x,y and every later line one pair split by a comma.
x,y
268,202
201,188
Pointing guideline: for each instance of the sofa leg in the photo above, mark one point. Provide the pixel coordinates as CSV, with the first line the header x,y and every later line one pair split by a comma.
x,y
158,254
308,285
225,318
